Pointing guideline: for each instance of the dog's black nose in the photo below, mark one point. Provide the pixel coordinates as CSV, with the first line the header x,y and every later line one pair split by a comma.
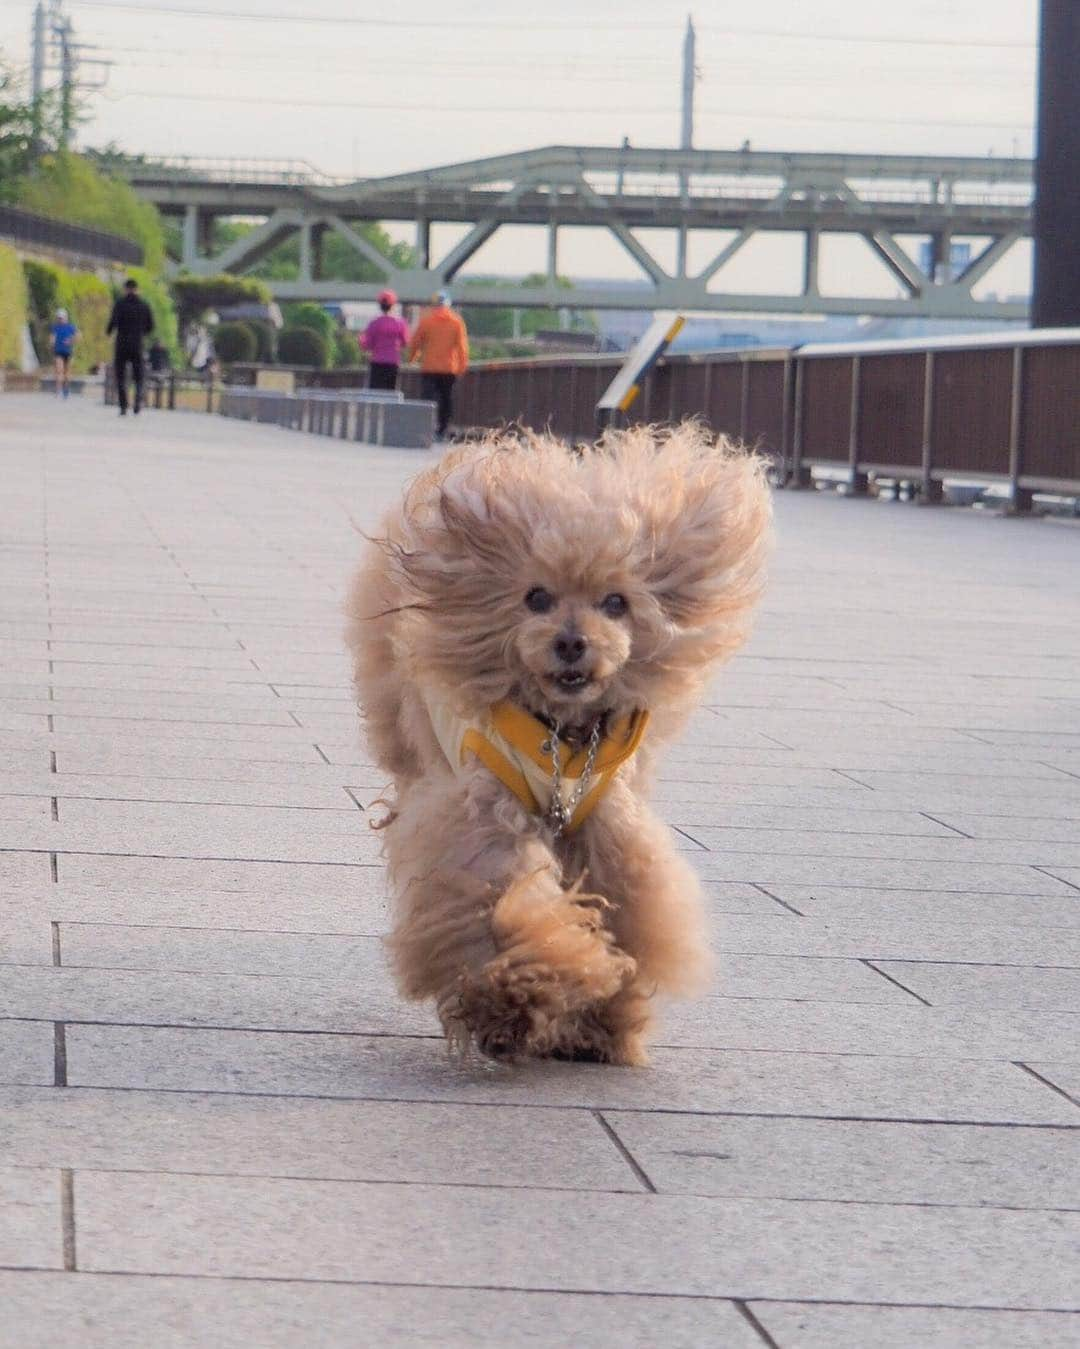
x,y
570,647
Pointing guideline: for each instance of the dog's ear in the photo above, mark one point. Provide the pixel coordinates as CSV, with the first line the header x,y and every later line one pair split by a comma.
x,y
709,511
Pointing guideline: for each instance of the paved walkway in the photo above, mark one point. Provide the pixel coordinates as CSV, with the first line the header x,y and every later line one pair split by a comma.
x,y
218,1125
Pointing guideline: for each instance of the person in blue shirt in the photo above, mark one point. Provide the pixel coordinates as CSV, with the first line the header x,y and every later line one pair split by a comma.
x,y
64,337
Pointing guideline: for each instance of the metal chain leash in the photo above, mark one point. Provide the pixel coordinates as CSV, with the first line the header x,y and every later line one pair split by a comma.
x,y
560,812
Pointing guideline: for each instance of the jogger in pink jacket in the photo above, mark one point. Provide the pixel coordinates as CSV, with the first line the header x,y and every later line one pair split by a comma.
x,y
384,339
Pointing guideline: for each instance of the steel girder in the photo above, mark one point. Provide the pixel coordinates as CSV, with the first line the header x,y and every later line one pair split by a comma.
x,y
623,190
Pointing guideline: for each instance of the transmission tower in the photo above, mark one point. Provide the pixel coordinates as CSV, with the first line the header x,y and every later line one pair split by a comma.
x,y
54,49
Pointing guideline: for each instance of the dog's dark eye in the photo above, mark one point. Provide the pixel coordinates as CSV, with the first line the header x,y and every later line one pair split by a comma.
x,y
615,606
539,600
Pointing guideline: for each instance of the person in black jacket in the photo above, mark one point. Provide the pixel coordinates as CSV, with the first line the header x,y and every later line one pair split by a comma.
x,y
131,321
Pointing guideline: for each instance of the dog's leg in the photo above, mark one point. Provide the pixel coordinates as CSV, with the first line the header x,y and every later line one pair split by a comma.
x,y
657,918
486,926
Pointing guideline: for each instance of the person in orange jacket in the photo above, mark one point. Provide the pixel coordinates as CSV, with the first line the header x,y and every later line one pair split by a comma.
x,y
442,344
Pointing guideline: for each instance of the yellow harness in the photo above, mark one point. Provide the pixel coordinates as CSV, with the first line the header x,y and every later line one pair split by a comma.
x,y
516,748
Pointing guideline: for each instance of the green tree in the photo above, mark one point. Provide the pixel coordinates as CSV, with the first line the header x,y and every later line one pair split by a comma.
x,y
67,187
308,314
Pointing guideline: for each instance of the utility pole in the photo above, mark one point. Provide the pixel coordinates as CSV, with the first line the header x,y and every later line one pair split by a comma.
x,y
689,79
1056,299
686,140
65,38
37,75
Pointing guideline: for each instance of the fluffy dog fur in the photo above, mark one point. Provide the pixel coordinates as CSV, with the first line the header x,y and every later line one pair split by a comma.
x,y
532,945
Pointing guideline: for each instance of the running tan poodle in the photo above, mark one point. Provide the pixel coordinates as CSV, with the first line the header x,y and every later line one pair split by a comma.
x,y
529,628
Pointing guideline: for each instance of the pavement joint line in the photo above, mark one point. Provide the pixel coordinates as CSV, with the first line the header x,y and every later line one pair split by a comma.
x,y
638,1171
546,1290
55,929
782,902
193,857
67,1219
198,1092
751,1320
918,996
1045,871
1018,1063
54,866
59,1054
320,753
181,801
352,797
927,816
54,809
692,839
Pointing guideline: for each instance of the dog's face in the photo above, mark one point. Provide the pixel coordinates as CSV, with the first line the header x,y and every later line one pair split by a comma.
x,y
574,585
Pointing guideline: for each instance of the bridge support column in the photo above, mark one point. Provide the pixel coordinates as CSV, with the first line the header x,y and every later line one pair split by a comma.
x,y
423,242
552,252
811,257
306,271
192,231
680,258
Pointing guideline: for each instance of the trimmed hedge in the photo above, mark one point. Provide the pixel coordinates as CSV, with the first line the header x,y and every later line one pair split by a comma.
x,y
194,295
346,349
235,342
13,307
303,346
265,340
308,314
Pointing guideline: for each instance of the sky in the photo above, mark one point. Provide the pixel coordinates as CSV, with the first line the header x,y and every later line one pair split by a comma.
x,y
359,88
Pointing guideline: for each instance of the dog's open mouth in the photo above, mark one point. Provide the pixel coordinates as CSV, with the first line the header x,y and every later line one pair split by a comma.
x,y
572,681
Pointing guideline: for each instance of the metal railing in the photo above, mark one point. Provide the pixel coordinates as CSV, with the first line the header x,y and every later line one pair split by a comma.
x,y
30,229
997,409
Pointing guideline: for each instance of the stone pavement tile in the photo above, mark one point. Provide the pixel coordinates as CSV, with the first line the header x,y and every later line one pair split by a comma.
x,y
302,794
733,897
838,1028
550,1239
1028,827
105,762
349,1005
213,950
192,635
92,1311
708,805
673,783
778,869
819,1326
945,847
20,810
853,1160
267,840
927,908
24,759
133,656
191,734
177,756
92,683
974,784
842,1085
335,880
20,870
731,821
1069,876
800,977
30,1222
1064,1075
27,1052
133,819
895,938
363,911
1012,986
331,1140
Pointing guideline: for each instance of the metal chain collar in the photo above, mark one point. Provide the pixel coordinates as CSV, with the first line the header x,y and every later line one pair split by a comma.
x,y
560,812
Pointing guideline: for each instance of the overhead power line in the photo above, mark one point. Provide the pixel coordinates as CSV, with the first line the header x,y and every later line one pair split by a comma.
x,y
365,21
503,109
